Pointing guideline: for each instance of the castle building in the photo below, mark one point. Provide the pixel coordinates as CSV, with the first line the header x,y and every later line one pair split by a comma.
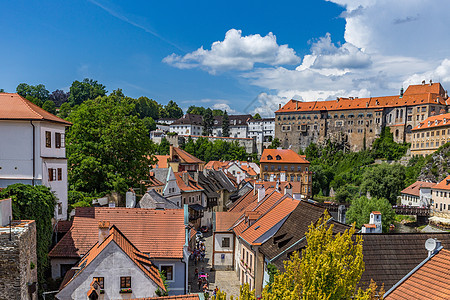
x,y
430,134
357,122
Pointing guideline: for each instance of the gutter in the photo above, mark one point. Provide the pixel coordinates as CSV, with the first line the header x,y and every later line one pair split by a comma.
x,y
34,153
411,272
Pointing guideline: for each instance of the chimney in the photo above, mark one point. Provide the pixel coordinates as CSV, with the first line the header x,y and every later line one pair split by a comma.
x,y
401,92
431,82
277,185
103,231
446,95
185,177
296,105
261,192
279,105
288,189
423,82
170,152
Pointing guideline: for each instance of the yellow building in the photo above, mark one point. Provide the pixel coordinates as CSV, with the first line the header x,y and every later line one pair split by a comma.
x,y
430,134
286,165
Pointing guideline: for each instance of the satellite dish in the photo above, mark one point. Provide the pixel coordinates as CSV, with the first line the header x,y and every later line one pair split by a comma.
x,y
430,244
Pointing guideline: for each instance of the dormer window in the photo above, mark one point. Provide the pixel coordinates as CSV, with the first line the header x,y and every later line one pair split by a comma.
x,y
269,157
429,123
278,157
436,122
445,120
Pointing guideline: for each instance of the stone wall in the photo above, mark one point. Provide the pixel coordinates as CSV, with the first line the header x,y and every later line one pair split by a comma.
x,y
18,261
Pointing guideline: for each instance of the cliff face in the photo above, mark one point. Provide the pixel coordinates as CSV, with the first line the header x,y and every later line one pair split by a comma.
x,y
437,166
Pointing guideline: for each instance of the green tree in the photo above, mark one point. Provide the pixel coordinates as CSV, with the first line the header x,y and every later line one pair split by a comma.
x,y
34,203
107,146
217,112
163,147
37,94
275,144
64,110
172,110
385,147
322,175
207,122
149,123
2,91
257,116
146,107
360,209
384,181
81,91
225,125
49,106
329,268
196,110
59,97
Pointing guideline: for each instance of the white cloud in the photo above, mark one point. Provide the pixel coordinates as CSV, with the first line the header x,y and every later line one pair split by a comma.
x,y
236,52
224,106
439,74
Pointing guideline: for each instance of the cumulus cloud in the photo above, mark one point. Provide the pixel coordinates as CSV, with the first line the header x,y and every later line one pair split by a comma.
x,y
236,52
441,73
224,106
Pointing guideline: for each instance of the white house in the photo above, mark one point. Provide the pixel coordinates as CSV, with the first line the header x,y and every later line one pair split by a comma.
x,y
374,225
262,129
417,194
112,269
189,124
32,148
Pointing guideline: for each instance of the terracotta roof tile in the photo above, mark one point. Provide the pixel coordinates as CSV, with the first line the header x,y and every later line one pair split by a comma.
x,y
162,161
286,156
15,107
139,258
185,157
160,233
191,185
175,297
430,281
225,220
443,185
244,201
414,189
434,122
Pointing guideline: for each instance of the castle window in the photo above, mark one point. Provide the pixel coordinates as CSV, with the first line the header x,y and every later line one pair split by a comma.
x,y
269,157
278,157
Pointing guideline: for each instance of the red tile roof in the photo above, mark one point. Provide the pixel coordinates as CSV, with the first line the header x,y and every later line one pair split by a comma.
x,y
185,157
443,185
414,95
430,281
160,233
244,201
296,185
225,220
286,156
434,122
414,189
15,107
268,220
139,258
216,165
191,185
162,161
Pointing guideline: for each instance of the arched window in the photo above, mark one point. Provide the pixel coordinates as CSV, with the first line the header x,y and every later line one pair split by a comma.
x,y
401,113
396,114
396,133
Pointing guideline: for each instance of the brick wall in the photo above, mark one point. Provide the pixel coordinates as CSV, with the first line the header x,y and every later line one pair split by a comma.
x,y
16,257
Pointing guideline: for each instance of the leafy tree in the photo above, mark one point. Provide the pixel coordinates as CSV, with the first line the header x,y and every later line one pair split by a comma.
x,y
163,147
360,209
257,116
146,107
49,106
413,169
322,175
225,125
107,146
64,110
59,97
346,193
2,91
159,292
207,150
275,144
81,91
385,147
329,268
173,110
34,203
384,181
37,94
217,112
196,110
149,123
207,122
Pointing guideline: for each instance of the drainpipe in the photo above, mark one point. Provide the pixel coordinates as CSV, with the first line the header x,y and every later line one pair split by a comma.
x,y
34,153
186,281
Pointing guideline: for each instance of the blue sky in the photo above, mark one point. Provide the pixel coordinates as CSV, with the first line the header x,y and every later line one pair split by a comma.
x,y
266,52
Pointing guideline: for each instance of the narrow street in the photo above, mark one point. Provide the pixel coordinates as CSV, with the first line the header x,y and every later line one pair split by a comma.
x,y
226,281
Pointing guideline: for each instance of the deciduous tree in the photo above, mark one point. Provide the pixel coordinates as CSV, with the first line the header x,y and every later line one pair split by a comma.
x,y
49,106
207,122
384,181
360,209
225,125
59,97
81,91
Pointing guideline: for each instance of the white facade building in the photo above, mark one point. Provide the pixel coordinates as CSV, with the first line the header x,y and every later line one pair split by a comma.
x,y
374,225
32,150
189,124
262,129
417,194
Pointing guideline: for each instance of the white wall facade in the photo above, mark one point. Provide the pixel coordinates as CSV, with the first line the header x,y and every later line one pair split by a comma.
x,y
186,129
111,264
223,256
171,191
425,197
16,157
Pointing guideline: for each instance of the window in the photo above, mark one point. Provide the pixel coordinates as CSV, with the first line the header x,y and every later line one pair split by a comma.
x,y
225,242
266,168
51,174
292,177
59,174
48,139
168,272
59,208
299,168
100,281
57,139
125,282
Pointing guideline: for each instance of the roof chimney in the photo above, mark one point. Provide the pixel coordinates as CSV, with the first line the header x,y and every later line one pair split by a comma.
x,y
279,105
171,152
288,189
103,231
185,177
401,92
261,192
296,105
431,82
423,82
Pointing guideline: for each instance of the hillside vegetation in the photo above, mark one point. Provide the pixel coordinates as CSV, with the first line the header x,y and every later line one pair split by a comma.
x,y
437,165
